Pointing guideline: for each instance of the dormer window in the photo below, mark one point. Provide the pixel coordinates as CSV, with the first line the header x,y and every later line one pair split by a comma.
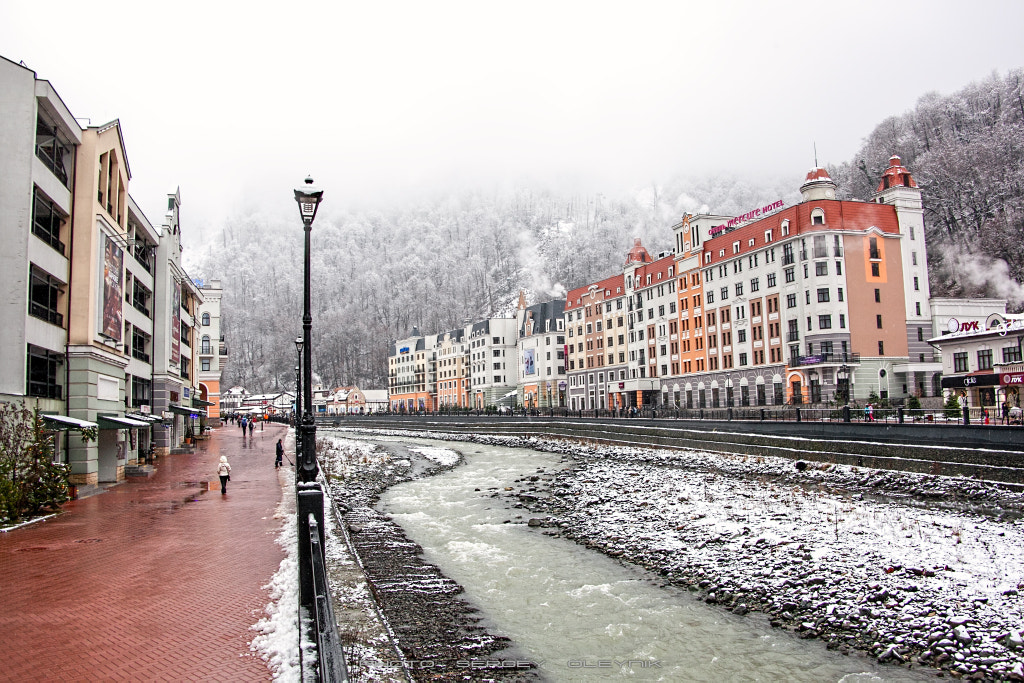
x,y
817,217
785,228
768,236
736,247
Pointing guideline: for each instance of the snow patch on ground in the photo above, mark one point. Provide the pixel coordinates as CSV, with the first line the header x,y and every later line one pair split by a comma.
x,y
442,456
278,632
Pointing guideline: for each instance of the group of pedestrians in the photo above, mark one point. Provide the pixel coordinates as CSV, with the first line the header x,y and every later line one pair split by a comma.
x,y
224,467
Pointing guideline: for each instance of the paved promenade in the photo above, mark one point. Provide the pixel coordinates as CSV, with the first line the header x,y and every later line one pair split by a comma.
x,y
156,579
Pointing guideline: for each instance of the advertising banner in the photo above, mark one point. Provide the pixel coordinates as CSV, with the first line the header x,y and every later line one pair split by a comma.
x,y
176,324
112,323
528,366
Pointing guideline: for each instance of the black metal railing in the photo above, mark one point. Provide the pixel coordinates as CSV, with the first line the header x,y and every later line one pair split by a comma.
x,y
47,314
314,590
824,359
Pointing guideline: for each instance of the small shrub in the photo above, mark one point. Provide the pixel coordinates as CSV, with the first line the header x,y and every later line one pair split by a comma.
x,y
29,479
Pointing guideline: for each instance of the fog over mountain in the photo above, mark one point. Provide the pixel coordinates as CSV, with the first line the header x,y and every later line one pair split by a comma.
x,y
438,261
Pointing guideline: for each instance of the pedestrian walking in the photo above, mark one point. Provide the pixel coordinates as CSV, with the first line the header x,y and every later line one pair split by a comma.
x,y
251,427
224,471
1006,412
280,454
241,423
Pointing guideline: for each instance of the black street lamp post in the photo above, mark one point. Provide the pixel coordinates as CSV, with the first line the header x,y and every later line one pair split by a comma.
x,y
309,199
297,417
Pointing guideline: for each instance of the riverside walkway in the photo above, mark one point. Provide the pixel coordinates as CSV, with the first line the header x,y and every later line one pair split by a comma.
x,y
156,579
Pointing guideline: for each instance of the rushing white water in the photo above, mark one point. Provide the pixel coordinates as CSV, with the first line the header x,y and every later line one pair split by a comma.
x,y
580,615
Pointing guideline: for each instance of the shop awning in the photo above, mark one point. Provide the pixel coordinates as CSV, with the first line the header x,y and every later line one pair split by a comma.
x,y
201,402
152,419
182,410
115,422
66,422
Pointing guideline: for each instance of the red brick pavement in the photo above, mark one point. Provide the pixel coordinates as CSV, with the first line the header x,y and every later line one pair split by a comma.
x,y
157,579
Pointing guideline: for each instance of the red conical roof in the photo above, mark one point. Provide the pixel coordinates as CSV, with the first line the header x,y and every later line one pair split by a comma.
x,y
638,254
896,175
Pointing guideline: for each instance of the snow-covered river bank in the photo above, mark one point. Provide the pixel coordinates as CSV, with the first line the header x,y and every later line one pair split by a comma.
x,y
897,579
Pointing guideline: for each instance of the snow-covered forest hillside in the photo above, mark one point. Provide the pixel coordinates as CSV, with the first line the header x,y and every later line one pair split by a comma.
x,y
437,263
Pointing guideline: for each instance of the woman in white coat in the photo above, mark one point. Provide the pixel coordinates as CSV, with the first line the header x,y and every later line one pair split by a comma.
x,y
224,470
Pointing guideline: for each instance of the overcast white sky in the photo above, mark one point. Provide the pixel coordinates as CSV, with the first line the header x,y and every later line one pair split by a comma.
x,y
236,102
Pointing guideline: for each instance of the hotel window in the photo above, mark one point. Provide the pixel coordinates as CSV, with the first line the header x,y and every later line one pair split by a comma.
x,y
1011,354
917,285
821,268
825,322
791,301
711,297
771,279
960,362
817,217
739,289
842,321
44,294
839,267
47,221
878,321
913,258
875,270
839,297
43,377
767,235
917,307
985,359
790,275
823,295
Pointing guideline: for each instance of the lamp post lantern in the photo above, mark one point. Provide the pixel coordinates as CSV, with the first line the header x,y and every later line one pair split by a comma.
x,y
308,199
843,376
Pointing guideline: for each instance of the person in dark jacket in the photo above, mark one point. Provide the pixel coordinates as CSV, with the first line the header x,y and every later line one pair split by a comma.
x,y
280,454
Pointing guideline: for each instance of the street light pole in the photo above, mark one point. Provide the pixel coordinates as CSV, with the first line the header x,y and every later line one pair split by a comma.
x,y
308,199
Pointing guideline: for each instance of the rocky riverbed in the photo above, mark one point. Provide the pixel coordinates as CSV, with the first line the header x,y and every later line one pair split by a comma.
x,y
440,635
921,571
918,571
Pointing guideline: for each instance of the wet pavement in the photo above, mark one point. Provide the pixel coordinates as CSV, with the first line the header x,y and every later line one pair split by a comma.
x,y
156,579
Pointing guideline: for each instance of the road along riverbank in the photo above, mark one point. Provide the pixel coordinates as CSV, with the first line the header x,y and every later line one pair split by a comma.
x,y
919,570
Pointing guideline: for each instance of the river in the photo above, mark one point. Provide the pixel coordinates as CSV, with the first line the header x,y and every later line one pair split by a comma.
x,y
578,614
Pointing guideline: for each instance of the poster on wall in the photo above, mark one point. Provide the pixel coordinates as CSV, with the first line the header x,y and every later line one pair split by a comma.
x,y
113,269
528,366
175,324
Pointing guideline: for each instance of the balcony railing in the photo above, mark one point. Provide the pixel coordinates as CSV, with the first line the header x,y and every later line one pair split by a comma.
x,y
43,313
825,359
788,259
820,252
792,336
44,390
